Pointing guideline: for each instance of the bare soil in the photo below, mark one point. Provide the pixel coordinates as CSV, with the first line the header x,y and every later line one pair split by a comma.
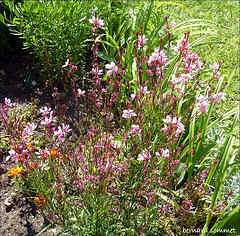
x,y
21,217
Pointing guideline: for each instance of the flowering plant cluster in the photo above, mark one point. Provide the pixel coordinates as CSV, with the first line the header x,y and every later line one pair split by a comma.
x,y
130,164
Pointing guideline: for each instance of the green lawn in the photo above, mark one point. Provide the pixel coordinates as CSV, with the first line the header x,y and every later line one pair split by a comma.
x,y
225,14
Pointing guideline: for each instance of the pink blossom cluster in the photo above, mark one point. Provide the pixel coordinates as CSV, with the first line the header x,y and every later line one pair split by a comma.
x,y
158,58
174,125
28,131
128,114
182,45
62,132
135,131
216,98
203,104
183,78
142,40
49,118
100,164
112,69
144,156
96,22
192,63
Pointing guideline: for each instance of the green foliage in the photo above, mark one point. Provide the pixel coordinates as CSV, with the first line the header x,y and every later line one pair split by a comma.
x,y
225,14
58,27
8,42
123,19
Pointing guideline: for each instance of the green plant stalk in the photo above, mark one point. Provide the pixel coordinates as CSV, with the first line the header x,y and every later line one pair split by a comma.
x,y
223,170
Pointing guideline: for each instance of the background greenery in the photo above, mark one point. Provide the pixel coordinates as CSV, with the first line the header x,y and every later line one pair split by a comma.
x,y
60,28
226,15
9,44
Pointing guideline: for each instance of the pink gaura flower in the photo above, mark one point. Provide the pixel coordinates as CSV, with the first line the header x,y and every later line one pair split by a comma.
x,y
133,95
201,98
182,45
215,67
143,90
128,114
219,97
203,104
28,131
8,102
61,132
45,111
104,90
135,131
174,123
202,107
144,156
158,57
112,69
97,22
66,128
96,71
142,40
80,92
14,154
48,120
43,153
163,153
176,80
169,120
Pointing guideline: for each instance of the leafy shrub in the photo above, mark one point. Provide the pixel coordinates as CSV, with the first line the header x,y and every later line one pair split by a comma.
x,y
8,42
57,27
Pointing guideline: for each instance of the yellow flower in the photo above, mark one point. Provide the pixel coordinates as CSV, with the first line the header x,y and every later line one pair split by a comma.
x,y
30,147
14,172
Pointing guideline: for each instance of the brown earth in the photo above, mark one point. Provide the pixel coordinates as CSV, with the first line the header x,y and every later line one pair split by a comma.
x,y
18,216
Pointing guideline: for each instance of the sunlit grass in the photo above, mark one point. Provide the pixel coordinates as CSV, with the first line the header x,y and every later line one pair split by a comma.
x,y
226,15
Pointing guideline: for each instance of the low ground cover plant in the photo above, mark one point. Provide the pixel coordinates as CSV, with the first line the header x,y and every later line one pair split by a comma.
x,y
142,158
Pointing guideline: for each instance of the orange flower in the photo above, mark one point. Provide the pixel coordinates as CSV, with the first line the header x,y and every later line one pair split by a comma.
x,y
32,165
66,157
40,200
53,153
14,172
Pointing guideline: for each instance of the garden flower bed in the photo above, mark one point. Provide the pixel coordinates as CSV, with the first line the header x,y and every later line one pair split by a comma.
x,y
139,145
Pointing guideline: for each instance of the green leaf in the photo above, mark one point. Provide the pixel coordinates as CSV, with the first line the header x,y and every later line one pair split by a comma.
x,y
229,225
106,57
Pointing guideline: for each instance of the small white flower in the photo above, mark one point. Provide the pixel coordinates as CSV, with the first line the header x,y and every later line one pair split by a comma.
x,y
66,63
